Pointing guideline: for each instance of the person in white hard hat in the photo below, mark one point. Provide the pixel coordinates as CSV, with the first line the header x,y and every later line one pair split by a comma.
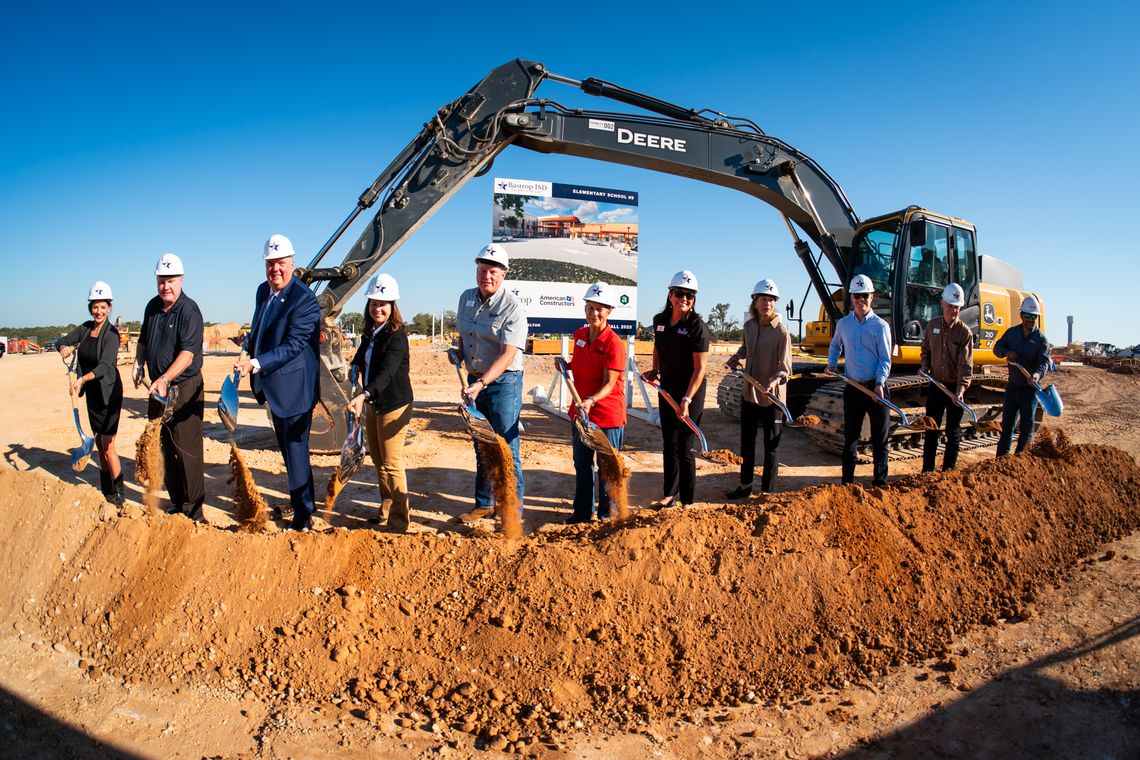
x,y
598,364
386,386
1022,344
492,335
864,341
96,346
170,351
281,360
767,350
680,359
948,357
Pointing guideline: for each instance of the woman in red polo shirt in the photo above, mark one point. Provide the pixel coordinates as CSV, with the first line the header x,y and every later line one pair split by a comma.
x,y
598,362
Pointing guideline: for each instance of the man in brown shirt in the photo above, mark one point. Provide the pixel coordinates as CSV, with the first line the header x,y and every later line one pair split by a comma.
x,y
947,356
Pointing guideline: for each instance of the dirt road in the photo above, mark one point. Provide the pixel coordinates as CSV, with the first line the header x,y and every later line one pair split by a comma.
x,y
986,613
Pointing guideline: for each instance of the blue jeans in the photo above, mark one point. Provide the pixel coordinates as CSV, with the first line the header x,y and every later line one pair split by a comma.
x,y
1020,402
584,474
501,403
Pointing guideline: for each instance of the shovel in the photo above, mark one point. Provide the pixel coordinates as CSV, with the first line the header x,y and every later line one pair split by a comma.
x,y
677,409
588,432
1049,397
477,423
918,423
82,453
804,421
171,394
985,423
351,451
228,401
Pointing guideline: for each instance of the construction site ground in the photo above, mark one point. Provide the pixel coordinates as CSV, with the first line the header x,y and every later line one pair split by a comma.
x,y
989,612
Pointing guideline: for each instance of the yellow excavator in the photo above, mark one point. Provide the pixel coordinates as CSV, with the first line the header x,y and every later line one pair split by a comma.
x,y
910,254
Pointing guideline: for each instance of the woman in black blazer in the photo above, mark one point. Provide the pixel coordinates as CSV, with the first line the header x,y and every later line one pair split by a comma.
x,y
382,360
96,344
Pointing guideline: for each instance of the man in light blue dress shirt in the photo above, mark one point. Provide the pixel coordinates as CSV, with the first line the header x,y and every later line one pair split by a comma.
x,y
864,340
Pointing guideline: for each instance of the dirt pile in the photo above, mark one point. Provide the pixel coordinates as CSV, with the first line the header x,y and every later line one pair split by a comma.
x,y
609,626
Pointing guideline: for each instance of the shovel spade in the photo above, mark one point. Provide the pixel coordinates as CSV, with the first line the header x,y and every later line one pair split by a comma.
x,y
228,401
477,423
804,421
588,432
677,409
81,453
918,423
351,451
1049,397
985,423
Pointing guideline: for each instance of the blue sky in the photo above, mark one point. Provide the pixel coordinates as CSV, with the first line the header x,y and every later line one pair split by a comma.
x,y
201,128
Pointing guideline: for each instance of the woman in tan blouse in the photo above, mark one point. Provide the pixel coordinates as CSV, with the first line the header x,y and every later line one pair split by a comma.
x,y
767,351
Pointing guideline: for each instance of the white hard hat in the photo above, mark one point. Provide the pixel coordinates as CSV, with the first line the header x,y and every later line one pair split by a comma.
x,y
765,288
1031,306
684,279
494,254
100,291
861,284
383,287
600,293
278,247
169,266
954,295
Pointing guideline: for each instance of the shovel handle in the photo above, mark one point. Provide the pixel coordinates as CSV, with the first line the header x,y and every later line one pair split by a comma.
x,y
1028,377
874,396
953,396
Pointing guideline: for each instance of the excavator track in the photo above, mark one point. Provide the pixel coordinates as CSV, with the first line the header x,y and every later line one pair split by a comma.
x,y
908,392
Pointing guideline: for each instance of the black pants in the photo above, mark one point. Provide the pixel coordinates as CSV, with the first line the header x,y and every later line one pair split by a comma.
x,y
182,444
938,403
752,417
680,463
856,405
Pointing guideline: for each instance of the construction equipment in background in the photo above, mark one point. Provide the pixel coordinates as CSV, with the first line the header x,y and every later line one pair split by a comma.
x,y
910,254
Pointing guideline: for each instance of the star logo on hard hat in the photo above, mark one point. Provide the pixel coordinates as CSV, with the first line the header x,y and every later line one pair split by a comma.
x,y
383,288
274,245
597,291
686,278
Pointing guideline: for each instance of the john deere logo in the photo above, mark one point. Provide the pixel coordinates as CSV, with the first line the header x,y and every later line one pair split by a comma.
x,y
988,313
624,300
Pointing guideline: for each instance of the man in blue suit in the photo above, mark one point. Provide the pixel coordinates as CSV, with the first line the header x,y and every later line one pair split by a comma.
x,y
282,348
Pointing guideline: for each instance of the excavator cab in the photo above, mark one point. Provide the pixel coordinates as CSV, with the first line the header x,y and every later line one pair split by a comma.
x,y
911,256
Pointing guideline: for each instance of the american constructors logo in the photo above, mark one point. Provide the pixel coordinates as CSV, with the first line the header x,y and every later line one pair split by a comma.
x,y
556,301
524,187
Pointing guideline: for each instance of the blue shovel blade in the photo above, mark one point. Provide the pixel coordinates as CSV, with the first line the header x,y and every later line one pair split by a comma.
x,y
228,402
1051,401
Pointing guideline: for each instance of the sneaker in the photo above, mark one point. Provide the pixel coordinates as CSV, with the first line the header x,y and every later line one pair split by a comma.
x,y
478,513
175,509
666,503
738,493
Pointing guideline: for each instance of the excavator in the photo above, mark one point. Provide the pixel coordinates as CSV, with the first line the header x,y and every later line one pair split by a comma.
x,y
910,254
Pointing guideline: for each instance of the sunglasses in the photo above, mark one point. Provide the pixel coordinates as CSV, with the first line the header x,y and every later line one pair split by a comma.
x,y
860,296
681,293
1029,316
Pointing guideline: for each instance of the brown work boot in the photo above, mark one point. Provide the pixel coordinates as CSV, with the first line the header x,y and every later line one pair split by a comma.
x,y
478,513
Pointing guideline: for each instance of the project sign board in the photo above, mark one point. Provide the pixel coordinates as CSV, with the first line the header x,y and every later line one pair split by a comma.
x,y
561,238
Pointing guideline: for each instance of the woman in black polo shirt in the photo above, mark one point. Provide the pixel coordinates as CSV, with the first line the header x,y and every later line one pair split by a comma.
x,y
680,358
382,360
96,345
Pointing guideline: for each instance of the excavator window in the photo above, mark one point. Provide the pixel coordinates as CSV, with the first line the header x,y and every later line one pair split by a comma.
x,y
874,257
928,272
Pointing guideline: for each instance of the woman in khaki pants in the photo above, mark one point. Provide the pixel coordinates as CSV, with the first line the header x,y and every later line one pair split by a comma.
x,y
383,363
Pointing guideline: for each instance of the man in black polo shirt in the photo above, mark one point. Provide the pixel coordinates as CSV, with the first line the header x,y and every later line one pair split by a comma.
x,y
170,347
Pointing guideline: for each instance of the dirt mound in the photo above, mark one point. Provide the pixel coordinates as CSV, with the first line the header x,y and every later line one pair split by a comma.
x,y
609,626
